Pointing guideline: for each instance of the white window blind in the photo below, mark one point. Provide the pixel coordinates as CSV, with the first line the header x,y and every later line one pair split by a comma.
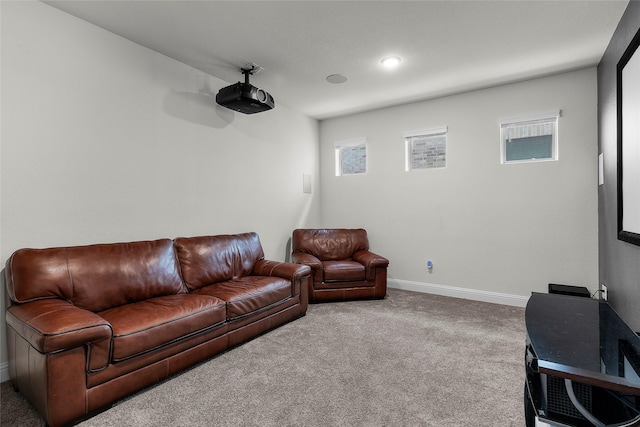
x,y
529,138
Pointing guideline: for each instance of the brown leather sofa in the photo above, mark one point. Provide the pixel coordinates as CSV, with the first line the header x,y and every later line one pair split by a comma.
x,y
342,266
87,325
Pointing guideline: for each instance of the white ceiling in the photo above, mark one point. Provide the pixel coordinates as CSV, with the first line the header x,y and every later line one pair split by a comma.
x,y
446,46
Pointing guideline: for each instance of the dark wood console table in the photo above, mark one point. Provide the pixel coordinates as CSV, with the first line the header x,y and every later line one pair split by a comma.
x,y
582,363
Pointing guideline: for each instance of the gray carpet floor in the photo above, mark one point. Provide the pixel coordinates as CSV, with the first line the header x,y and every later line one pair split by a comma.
x,y
411,359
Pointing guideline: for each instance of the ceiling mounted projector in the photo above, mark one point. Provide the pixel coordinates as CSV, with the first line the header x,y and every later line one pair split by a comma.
x,y
244,97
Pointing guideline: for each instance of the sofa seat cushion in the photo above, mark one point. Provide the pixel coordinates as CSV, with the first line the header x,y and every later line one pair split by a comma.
x,y
248,294
343,271
146,325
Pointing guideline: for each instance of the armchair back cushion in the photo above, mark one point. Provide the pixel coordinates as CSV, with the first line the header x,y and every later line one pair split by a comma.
x,y
330,244
95,277
211,259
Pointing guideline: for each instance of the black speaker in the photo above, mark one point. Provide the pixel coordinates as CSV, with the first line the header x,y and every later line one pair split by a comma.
x,y
576,291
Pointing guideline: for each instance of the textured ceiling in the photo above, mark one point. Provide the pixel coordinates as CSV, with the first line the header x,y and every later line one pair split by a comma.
x,y
446,46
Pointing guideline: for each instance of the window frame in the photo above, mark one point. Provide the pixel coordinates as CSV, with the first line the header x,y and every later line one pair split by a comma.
x,y
408,146
551,117
339,146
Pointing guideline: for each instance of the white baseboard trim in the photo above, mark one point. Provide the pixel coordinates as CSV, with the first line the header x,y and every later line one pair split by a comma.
x,y
465,293
4,372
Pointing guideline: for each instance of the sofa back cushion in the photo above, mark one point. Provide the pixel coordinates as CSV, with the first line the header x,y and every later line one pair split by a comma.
x,y
330,244
95,277
206,260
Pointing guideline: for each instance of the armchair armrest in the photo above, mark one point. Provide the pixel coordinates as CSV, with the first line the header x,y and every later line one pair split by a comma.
x,y
371,261
55,325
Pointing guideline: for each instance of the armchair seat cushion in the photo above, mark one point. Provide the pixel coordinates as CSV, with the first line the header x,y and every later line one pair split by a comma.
x,y
150,324
248,294
343,271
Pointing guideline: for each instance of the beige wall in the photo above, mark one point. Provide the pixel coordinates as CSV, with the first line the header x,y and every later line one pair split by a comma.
x,y
507,229
104,140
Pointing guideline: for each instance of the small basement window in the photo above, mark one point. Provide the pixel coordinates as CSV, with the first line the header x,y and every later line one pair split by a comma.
x,y
529,138
425,149
351,157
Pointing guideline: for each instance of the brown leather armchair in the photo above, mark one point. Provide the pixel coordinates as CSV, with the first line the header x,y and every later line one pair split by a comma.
x,y
342,267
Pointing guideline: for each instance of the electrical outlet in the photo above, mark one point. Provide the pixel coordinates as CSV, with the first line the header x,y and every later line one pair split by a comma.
x,y
604,293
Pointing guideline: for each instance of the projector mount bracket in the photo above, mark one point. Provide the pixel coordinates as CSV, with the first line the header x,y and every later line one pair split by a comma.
x,y
250,69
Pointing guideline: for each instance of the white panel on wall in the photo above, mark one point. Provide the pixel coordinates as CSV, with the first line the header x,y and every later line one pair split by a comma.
x,y
306,183
601,169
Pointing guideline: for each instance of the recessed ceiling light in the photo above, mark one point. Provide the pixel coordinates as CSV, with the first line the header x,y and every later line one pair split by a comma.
x,y
391,61
337,78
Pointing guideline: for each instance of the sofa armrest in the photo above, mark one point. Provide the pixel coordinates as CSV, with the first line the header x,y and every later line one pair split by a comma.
x,y
55,325
286,270
298,275
371,261
308,259
313,262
